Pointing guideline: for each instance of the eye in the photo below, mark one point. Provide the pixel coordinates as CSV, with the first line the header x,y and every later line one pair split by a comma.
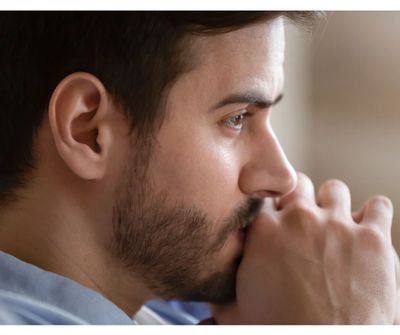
x,y
237,121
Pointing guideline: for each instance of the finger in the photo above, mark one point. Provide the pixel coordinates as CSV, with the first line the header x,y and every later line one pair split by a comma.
x,y
378,213
304,190
268,214
335,195
269,207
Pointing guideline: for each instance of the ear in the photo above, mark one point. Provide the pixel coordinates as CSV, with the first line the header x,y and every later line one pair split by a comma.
x,y
78,112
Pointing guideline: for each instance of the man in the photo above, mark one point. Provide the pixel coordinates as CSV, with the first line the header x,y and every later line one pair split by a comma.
x,y
138,163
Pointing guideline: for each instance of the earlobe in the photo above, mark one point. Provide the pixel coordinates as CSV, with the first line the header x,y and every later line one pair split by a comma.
x,y
78,113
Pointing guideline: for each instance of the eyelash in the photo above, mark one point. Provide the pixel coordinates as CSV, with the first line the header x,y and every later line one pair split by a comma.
x,y
240,117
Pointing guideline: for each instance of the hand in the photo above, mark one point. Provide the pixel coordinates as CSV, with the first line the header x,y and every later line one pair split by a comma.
x,y
308,261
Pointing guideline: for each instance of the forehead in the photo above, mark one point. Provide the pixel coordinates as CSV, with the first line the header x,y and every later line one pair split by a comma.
x,y
266,37
248,59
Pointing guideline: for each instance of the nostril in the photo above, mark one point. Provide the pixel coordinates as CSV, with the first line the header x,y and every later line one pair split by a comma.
x,y
268,194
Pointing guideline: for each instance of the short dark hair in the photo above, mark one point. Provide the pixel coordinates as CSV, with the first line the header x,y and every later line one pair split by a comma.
x,y
137,56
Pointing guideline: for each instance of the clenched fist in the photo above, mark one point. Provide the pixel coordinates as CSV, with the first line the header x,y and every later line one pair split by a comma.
x,y
309,260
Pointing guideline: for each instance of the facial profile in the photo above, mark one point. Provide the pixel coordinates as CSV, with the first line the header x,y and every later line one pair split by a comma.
x,y
182,201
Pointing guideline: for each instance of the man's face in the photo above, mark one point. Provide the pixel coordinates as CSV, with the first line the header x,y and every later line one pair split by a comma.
x,y
177,219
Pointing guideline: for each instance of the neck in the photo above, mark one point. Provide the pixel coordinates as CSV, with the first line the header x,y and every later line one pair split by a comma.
x,y
53,231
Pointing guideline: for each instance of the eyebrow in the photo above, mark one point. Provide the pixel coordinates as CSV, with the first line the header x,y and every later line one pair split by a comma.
x,y
249,98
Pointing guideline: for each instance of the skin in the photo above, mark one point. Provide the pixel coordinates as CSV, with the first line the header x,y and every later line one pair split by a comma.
x,y
316,262
85,154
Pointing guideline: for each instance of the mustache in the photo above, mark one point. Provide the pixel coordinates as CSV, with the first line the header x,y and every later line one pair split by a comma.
x,y
242,216
245,214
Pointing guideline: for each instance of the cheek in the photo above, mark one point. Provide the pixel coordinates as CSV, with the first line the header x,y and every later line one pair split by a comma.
x,y
199,172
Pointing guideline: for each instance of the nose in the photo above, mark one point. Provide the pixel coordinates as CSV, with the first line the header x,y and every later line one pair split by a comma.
x,y
267,173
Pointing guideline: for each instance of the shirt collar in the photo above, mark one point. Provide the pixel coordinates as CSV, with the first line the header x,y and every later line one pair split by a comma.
x,y
28,280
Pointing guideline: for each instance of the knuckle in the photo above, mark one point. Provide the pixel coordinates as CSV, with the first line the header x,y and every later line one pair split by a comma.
x,y
339,227
334,183
373,237
300,205
299,212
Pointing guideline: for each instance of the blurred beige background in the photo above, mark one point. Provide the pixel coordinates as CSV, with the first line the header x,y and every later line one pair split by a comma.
x,y
340,117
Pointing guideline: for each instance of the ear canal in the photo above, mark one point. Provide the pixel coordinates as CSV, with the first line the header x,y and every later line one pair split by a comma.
x,y
84,131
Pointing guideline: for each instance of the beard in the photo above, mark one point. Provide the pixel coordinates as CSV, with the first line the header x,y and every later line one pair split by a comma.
x,y
172,246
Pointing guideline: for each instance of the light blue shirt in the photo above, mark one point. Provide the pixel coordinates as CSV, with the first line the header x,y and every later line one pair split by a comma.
x,y
30,295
